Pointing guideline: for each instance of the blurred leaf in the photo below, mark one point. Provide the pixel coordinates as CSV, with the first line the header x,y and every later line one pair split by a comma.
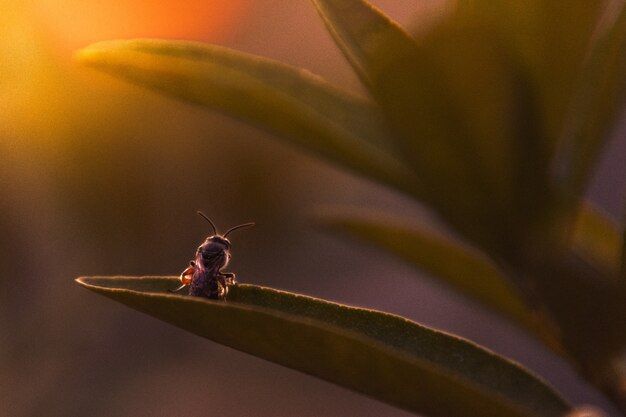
x,y
287,101
444,257
370,41
596,106
583,294
384,356
550,39
597,241
462,114
586,411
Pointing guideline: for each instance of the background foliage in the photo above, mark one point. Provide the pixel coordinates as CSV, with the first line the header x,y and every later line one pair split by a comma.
x,y
72,178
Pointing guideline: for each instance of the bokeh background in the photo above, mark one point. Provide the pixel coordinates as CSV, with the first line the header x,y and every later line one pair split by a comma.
x,y
102,178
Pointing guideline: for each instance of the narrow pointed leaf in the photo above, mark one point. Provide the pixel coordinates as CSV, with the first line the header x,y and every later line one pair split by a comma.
x,y
597,241
596,106
378,50
371,42
444,257
461,112
287,101
550,39
384,356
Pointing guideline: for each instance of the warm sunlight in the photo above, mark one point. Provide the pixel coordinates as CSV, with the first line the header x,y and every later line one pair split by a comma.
x,y
41,94
75,23
21,85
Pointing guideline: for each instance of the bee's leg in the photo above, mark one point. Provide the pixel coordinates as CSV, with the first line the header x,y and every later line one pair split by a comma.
x,y
222,291
185,277
215,290
227,278
223,281
178,289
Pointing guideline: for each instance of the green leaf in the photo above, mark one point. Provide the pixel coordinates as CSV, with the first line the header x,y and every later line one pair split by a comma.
x,y
382,355
443,256
287,101
550,39
370,41
597,241
462,115
595,108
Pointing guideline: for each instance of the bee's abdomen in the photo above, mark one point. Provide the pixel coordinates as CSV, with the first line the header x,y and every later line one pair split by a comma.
x,y
204,282
205,286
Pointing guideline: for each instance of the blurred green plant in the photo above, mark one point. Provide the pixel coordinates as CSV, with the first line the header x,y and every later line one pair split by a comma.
x,y
494,118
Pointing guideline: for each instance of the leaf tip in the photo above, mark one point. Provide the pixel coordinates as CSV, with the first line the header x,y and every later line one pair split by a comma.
x,y
86,55
82,281
91,283
93,54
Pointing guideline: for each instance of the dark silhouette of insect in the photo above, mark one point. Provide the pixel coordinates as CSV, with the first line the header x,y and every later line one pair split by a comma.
x,y
204,274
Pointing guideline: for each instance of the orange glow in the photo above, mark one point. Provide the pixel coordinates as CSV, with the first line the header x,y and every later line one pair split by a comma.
x,y
76,23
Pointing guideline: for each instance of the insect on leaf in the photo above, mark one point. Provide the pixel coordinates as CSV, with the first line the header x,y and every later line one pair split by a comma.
x,y
378,354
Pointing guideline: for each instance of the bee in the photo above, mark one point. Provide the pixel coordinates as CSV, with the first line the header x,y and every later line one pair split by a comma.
x,y
204,276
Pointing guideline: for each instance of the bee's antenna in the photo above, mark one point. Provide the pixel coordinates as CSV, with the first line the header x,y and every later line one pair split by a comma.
x,y
208,220
237,227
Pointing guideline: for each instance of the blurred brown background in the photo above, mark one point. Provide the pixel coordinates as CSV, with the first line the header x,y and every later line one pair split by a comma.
x,y
101,178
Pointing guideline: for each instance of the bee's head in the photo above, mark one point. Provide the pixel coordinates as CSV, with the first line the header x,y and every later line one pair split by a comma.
x,y
218,241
